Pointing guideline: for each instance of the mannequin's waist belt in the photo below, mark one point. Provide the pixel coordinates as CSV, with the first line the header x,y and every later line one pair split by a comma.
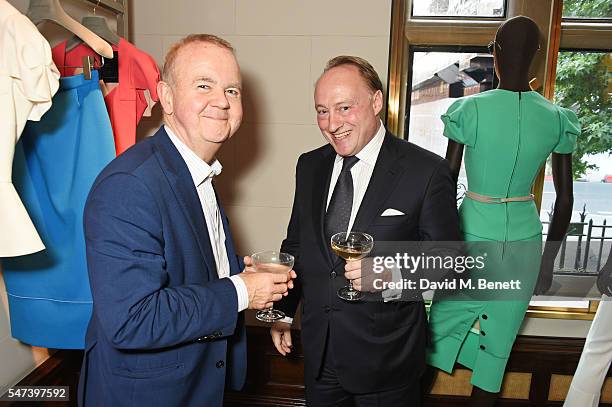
x,y
492,199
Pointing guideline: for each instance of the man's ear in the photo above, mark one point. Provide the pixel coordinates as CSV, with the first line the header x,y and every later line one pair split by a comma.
x,y
164,91
377,102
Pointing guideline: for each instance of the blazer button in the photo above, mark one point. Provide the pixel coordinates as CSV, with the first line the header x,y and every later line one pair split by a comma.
x,y
482,333
482,347
326,308
485,316
333,274
220,364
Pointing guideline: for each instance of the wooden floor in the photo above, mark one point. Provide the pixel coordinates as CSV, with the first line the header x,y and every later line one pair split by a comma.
x,y
273,380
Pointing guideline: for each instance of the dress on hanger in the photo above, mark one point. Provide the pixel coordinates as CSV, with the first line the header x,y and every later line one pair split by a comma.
x,y
28,81
55,165
507,136
127,102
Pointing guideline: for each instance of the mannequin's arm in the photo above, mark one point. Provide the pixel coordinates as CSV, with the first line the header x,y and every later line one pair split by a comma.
x,y
454,155
563,181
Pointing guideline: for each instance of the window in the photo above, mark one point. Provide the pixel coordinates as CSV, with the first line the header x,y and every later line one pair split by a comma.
x,y
458,8
438,54
587,9
583,84
438,78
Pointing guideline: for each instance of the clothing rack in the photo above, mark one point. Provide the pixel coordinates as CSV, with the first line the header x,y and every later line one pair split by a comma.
x,y
119,8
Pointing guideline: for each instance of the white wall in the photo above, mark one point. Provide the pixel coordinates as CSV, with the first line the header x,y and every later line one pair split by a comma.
x,y
282,46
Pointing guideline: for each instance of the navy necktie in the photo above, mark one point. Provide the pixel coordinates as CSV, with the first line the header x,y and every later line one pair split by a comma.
x,y
339,210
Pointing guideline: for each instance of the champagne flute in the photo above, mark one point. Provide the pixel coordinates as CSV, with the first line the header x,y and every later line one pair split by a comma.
x,y
351,246
272,262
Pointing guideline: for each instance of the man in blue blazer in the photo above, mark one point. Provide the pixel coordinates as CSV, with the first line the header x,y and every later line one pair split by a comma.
x,y
167,285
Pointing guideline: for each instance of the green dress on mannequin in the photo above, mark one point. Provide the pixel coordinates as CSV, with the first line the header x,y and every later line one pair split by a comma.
x,y
507,136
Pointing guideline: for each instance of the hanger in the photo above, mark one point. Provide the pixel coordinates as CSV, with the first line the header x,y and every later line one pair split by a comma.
x,y
89,64
41,10
99,26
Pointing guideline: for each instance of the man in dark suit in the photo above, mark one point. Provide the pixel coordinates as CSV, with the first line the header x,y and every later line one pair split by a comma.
x,y
168,291
367,353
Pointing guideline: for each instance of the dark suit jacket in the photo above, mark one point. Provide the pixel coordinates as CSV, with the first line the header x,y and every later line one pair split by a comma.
x,y
377,346
165,329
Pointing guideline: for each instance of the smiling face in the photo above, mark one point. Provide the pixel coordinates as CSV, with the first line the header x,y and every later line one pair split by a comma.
x,y
347,109
202,101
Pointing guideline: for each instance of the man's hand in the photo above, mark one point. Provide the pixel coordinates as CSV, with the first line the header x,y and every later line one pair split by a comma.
x,y
281,337
363,280
248,264
265,287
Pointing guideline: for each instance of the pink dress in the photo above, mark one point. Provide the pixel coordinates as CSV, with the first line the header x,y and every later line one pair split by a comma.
x,y
127,102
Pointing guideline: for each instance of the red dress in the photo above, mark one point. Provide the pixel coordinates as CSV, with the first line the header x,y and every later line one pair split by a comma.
x,y
126,103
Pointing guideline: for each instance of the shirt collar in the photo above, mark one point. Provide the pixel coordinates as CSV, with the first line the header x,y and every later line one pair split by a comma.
x,y
369,153
199,169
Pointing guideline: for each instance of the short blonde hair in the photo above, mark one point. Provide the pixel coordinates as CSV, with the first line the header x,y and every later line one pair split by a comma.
x,y
168,71
366,70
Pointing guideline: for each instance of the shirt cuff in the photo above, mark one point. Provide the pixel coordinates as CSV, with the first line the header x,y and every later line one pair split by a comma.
x,y
241,290
391,294
288,320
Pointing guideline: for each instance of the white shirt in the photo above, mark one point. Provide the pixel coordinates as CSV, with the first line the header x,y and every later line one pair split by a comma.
x,y
361,172
202,174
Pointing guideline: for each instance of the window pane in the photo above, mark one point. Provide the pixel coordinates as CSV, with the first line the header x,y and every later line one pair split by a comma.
x,y
583,85
438,78
458,8
587,8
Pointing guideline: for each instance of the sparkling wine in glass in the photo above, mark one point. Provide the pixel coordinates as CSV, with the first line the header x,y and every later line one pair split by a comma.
x,y
272,262
351,246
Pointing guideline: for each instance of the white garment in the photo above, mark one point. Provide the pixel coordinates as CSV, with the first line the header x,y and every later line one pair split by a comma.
x,y
594,364
202,175
28,81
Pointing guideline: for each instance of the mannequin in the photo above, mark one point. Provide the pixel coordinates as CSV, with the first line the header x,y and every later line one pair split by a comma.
x,y
512,68
515,45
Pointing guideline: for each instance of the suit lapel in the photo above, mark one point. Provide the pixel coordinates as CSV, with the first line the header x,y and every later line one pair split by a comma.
x,y
181,182
384,178
321,181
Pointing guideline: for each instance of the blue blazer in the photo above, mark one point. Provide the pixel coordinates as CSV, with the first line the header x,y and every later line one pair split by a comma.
x,y
165,330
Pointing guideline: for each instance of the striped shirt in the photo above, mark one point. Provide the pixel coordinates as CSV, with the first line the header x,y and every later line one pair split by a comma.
x,y
203,174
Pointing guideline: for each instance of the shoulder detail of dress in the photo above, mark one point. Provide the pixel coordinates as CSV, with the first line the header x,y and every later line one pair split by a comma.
x,y
26,58
461,121
569,130
145,73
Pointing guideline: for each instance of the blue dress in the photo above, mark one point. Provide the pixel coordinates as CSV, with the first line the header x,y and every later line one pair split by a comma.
x,y
55,164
